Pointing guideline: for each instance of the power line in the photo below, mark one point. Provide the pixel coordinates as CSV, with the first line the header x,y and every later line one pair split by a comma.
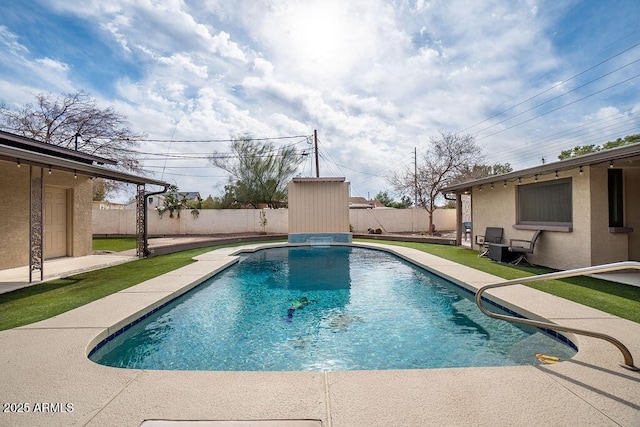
x,y
559,108
224,140
557,97
551,88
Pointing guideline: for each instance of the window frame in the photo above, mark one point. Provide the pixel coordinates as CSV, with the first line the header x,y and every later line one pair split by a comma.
x,y
541,224
615,196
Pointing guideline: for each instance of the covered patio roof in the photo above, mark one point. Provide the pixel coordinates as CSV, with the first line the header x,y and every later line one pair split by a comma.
x,y
27,151
615,157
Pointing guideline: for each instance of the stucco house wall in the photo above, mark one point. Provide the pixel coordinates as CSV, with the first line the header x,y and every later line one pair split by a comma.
x,y
556,249
14,212
606,247
632,210
590,241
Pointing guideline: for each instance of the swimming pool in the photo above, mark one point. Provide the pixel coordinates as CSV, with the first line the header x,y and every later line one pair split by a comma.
x,y
324,309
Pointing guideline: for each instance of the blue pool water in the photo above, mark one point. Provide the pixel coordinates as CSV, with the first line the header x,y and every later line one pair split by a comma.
x,y
324,309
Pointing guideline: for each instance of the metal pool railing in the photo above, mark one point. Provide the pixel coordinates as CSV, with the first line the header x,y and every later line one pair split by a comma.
x,y
606,268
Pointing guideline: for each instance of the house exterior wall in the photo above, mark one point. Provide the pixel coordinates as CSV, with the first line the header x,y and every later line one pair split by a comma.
x,y
556,249
632,211
15,193
14,211
494,208
318,207
606,247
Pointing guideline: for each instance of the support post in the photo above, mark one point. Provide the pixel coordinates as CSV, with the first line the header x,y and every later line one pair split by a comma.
x,y
141,223
459,219
36,223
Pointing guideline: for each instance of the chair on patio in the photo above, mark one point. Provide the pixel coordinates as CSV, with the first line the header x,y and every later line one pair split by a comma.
x,y
491,235
466,229
523,247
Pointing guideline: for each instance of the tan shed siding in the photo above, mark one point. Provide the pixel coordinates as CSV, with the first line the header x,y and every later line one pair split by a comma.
x,y
14,212
318,207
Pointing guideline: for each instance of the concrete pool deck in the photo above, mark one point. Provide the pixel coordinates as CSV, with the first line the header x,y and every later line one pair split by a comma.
x,y
45,366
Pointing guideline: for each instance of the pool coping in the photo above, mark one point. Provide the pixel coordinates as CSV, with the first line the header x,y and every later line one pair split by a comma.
x,y
46,363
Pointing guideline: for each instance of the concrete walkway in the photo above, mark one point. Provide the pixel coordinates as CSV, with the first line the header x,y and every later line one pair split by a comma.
x,y
16,278
45,365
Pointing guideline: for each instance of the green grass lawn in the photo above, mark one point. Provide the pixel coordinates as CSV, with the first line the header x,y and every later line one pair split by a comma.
x,y
116,244
39,302
49,299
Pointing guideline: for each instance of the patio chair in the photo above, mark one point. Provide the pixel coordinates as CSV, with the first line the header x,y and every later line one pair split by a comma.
x,y
466,227
523,247
491,235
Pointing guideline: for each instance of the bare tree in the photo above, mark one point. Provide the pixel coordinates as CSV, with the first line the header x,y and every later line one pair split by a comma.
x,y
446,157
259,172
76,121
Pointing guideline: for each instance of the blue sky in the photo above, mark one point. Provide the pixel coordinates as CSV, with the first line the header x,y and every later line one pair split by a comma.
x,y
376,78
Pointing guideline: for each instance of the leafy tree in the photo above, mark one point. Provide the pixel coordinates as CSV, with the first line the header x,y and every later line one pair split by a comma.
x,y
208,203
477,171
444,160
99,190
580,150
174,201
259,172
384,198
75,121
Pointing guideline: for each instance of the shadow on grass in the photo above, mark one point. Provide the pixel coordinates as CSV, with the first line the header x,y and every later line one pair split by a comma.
x,y
42,288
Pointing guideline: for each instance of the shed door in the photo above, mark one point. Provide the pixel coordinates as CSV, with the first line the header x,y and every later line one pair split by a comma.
x,y
55,222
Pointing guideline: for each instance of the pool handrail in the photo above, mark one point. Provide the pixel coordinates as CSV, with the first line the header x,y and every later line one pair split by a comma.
x,y
605,268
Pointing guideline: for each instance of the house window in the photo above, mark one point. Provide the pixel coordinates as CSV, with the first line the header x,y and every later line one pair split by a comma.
x,y
616,207
546,203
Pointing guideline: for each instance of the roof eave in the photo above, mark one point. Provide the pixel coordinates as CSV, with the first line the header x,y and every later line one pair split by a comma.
x,y
38,146
600,157
22,156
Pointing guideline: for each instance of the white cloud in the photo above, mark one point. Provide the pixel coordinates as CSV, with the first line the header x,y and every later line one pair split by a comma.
x,y
53,65
11,42
375,77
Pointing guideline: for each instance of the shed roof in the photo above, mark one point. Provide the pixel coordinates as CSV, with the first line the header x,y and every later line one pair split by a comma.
x,y
613,156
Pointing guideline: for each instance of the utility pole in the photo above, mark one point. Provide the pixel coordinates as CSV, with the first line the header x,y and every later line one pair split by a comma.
x,y
315,144
415,175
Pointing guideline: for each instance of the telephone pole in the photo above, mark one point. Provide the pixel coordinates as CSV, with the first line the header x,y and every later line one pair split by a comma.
x,y
315,144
